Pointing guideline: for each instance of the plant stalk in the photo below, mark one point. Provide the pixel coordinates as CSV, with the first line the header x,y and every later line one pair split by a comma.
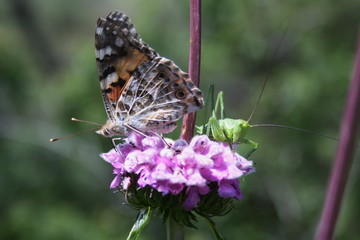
x,y
343,157
188,125
175,231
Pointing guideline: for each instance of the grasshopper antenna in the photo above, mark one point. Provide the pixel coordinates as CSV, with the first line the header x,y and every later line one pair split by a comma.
x,y
293,128
297,129
268,73
71,135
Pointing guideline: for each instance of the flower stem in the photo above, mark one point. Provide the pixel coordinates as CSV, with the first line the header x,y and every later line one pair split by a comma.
x,y
344,155
175,231
187,130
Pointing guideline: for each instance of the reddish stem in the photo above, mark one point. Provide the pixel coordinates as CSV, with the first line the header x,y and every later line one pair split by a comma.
x,y
344,155
187,130
176,231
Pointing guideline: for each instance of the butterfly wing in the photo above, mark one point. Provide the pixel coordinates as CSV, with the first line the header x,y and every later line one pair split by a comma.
x,y
140,89
119,51
160,96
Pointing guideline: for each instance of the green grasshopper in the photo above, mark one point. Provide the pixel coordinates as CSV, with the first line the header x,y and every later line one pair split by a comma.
x,y
228,130
233,131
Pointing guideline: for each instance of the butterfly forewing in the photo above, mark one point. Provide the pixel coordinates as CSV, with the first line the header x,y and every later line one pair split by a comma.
x,y
119,51
140,89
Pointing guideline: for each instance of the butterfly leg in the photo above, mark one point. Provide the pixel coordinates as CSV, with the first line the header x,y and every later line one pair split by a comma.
x,y
163,139
135,130
143,134
115,139
114,144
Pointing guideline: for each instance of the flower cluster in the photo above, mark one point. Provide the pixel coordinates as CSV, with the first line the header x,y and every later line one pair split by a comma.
x,y
190,169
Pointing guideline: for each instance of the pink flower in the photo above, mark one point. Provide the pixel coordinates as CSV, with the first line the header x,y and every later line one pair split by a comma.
x,y
189,169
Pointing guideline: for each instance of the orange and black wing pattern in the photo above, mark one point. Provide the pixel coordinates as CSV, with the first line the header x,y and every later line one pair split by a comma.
x,y
119,52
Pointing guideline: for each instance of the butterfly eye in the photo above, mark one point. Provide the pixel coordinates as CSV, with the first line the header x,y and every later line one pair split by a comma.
x,y
180,94
107,132
161,75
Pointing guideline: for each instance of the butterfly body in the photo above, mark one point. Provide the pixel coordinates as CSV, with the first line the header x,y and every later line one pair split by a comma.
x,y
141,90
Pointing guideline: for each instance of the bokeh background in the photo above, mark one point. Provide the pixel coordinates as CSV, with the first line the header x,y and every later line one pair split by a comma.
x,y
48,75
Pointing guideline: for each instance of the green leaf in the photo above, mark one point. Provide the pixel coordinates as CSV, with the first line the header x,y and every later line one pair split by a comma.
x,y
213,228
142,220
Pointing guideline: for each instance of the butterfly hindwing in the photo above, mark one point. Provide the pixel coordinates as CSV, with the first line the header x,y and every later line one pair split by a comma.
x,y
161,96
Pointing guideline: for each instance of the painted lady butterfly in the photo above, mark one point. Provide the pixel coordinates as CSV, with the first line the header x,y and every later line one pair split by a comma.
x,y
142,91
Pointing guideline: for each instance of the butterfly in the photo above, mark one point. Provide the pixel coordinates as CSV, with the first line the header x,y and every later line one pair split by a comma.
x,y
141,90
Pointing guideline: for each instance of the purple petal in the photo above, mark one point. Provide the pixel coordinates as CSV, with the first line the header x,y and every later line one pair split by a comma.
x,y
200,143
186,158
135,139
115,182
229,189
179,145
161,172
167,153
192,198
178,176
176,188
203,190
245,165
162,186
111,156
125,149
215,148
234,172
153,142
126,183
170,170
145,178
203,161
195,179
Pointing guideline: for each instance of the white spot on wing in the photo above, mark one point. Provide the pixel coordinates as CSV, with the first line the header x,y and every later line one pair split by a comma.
x,y
108,50
100,54
99,30
119,42
112,77
133,31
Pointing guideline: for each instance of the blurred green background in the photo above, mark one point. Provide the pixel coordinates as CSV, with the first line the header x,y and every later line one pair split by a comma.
x,y
48,75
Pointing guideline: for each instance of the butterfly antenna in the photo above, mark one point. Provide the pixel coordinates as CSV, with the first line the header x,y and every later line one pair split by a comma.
x,y
268,73
57,139
84,121
294,128
77,120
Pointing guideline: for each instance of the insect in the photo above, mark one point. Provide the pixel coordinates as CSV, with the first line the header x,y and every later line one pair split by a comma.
x,y
141,90
228,130
233,131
